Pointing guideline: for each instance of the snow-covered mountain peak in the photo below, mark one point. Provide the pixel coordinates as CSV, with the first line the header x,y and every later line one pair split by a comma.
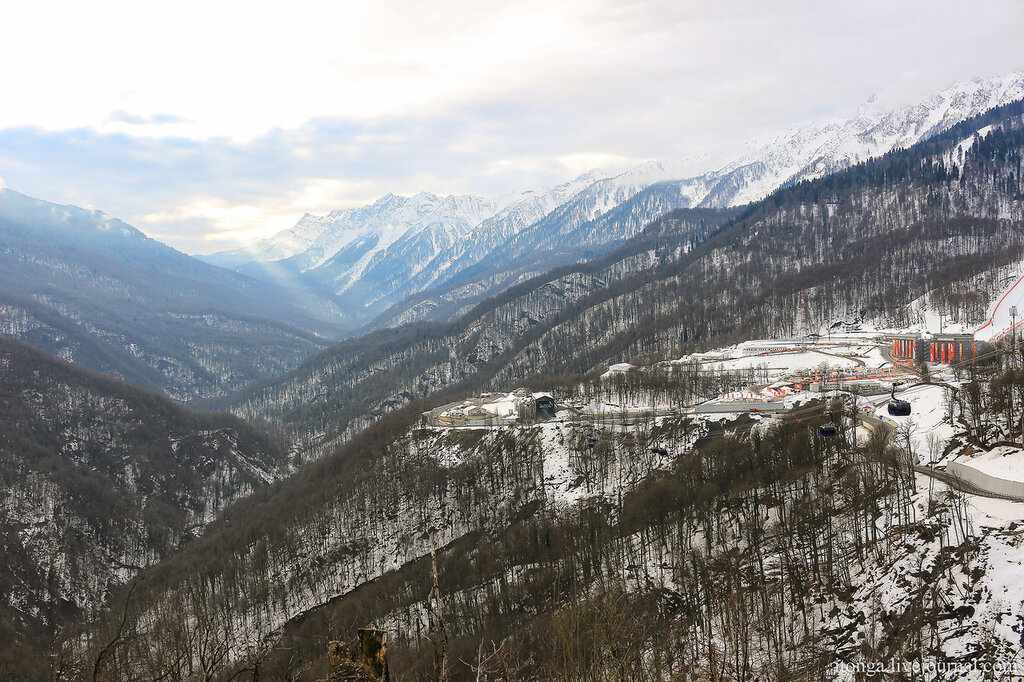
x,y
592,175
403,244
816,148
391,219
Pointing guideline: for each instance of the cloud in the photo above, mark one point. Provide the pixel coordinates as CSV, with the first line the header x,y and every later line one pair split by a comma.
x,y
209,132
186,190
138,120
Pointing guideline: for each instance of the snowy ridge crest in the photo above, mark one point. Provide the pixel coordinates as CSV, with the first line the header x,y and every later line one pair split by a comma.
x,y
399,246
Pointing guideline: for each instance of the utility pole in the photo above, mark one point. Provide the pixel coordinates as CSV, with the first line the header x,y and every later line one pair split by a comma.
x,y
804,330
1013,336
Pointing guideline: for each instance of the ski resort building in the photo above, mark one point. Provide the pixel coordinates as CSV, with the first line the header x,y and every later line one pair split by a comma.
x,y
909,347
765,346
493,409
953,349
944,349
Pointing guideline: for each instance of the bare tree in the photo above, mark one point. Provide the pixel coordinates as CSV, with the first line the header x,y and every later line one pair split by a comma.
x,y
119,634
438,636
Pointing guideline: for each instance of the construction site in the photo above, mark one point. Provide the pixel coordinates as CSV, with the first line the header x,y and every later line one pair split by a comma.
x,y
494,409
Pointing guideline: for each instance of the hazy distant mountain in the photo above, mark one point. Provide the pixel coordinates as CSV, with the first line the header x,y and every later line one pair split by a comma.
x,y
92,289
348,245
284,244
368,252
388,251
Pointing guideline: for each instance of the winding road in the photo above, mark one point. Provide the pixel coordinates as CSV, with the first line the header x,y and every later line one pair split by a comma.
x,y
952,480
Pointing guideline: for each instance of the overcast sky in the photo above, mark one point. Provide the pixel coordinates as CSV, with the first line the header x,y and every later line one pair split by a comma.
x,y
210,124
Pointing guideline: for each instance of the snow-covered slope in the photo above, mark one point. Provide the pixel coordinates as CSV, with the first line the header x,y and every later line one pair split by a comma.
x,y
1004,312
517,216
368,230
368,252
390,219
819,148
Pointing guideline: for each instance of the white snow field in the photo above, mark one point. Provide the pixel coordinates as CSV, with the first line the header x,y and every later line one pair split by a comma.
x,y
1000,320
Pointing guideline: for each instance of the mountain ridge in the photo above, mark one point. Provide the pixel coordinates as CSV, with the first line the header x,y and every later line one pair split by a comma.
x,y
577,225
875,237
75,280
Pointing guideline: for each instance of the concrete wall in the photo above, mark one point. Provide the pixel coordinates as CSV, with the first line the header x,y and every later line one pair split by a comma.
x,y
985,481
740,407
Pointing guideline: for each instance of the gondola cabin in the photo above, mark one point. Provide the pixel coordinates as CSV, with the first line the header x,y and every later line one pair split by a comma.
x,y
827,430
899,408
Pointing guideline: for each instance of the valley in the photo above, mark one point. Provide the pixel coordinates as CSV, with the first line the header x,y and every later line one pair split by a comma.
x,y
519,501
755,415
89,288
100,480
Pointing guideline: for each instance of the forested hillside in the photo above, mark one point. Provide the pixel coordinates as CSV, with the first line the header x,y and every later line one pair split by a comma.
x,y
553,529
344,521
874,237
98,480
632,548
742,559
347,387
484,277
96,291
